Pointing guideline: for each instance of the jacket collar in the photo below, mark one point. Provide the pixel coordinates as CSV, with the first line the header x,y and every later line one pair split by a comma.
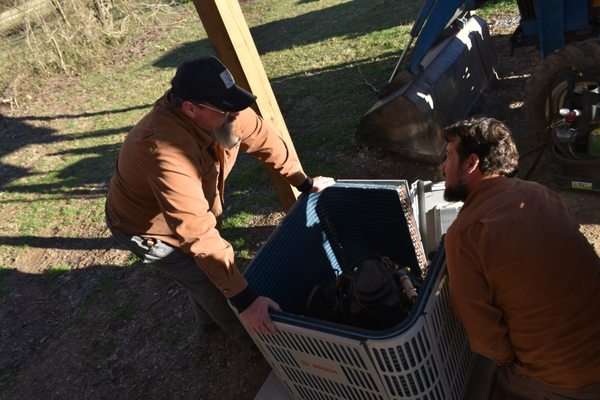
x,y
484,185
204,139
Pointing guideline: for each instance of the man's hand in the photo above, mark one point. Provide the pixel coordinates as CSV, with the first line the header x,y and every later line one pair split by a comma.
x,y
321,182
256,317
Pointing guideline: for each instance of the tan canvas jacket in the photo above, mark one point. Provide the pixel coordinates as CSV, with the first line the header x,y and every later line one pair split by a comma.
x,y
525,283
169,181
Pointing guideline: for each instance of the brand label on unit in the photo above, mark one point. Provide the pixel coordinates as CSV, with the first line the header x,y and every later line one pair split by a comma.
x,y
327,369
581,185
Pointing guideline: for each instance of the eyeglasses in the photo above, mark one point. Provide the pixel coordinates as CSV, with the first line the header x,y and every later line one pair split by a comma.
x,y
225,113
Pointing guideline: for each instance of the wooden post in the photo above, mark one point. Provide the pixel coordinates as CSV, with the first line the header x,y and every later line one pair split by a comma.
x,y
229,34
16,16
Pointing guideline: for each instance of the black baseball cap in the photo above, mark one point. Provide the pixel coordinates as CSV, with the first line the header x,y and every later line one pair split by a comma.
x,y
207,79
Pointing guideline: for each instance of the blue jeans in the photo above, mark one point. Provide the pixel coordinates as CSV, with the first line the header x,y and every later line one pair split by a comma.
x,y
208,303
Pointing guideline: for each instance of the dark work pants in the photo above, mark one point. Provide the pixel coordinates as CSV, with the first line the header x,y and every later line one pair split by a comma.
x,y
208,303
515,386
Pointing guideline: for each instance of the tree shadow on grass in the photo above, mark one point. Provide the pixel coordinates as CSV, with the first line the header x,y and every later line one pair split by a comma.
x,y
350,19
16,134
247,241
19,132
105,331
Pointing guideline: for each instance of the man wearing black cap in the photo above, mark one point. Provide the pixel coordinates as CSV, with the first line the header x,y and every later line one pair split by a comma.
x,y
165,199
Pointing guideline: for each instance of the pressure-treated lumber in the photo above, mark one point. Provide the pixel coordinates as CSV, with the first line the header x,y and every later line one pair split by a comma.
x,y
229,34
16,16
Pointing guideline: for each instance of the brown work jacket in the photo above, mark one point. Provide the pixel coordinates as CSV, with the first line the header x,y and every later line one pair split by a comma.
x,y
169,180
525,283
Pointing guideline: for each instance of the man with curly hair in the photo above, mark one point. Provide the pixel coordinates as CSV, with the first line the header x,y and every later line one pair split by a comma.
x,y
523,279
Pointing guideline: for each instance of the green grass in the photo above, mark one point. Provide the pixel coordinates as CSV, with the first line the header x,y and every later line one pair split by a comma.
x,y
7,381
59,149
103,348
105,286
4,272
90,301
55,272
499,6
132,260
122,312
173,337
239,220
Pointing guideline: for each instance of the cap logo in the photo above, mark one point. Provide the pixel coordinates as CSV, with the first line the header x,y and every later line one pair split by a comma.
x,y
227,79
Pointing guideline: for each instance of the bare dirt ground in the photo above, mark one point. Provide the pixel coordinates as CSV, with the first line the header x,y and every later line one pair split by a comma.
x,y
104,331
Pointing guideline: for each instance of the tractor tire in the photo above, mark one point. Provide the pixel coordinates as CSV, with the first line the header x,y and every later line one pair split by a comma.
x,y
547,88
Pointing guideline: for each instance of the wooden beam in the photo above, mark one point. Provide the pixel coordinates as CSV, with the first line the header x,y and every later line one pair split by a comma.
x,y
17,15
229,34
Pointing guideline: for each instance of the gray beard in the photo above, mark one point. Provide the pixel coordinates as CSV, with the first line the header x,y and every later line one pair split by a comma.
x,y
224,135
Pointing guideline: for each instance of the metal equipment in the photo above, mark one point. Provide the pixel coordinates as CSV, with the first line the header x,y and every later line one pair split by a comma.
x,y
453,60
424,357
451,63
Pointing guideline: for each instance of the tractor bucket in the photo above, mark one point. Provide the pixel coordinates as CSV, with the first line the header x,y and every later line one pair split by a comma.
x,y
409,120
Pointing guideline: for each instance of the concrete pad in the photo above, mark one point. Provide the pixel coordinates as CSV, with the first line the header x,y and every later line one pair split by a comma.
x,y
273,389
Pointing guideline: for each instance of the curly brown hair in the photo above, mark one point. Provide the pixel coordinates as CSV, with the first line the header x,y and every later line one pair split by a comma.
x,y
490,139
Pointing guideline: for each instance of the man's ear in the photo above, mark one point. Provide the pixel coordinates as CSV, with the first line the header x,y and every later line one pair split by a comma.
x,y
471,163
188,109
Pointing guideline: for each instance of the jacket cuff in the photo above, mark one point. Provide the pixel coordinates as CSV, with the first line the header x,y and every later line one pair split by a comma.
x,y
306,186
243,299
